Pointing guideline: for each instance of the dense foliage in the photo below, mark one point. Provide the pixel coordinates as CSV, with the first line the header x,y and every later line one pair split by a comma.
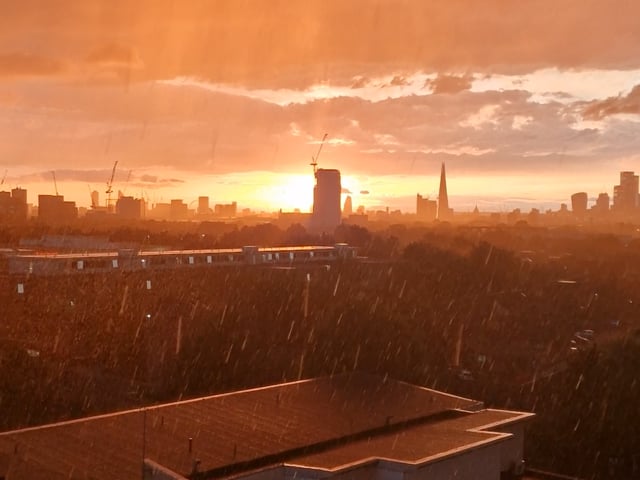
x,y
514,297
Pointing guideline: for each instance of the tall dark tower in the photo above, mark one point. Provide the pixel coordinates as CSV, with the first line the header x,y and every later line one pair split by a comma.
x,y
444,212
348,207
326,196
326,200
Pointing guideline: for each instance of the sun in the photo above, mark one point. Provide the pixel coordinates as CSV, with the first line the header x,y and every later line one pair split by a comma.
x,y
289,192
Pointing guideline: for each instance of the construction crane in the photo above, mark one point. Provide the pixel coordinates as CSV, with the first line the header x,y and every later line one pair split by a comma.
x,y
314,160
4,177
55,183
109,190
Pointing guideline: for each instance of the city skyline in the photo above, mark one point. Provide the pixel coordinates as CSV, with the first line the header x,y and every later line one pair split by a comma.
x,y
216,98
326,211
277,195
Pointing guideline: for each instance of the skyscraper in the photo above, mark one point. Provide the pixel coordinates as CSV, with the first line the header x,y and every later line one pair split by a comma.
x,y
326,200
625,195
13,206
95,199
348,207
579,203
130,208
602,203
203,206
444,212
53,209
426,209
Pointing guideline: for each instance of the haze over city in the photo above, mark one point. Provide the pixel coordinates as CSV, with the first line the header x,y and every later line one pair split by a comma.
x,y
525,102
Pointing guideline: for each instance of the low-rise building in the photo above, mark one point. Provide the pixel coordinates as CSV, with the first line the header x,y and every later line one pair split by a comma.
x,y
346,426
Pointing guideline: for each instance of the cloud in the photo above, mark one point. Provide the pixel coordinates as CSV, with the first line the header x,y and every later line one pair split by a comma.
x,y
115,56
487,115
449,83
622,104
148,178
520,121
360,82
280,43
92,176
398,81
21,64
95,177
154,128
111,62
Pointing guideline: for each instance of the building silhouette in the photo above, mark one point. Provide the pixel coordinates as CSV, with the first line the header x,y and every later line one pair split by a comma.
x,y
348,207
444,212
54,209
178,210
426,209
131,208
602,203
579,203
95,199
226,210
13,205
326,200
203,206
625,195
160,211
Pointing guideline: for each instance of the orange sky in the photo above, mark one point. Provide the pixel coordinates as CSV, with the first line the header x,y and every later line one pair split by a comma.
x,y
525,101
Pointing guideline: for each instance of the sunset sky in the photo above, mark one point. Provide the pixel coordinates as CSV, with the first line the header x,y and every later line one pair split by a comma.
x,y
525,101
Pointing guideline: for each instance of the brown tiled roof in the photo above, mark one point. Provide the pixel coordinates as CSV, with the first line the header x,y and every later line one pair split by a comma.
x,y
230,432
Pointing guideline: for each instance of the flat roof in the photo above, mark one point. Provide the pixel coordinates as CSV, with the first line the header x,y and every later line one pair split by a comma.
x,y
230,432
417,445
144,253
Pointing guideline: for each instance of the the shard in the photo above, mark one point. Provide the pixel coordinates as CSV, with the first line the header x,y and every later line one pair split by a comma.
x,y
444,212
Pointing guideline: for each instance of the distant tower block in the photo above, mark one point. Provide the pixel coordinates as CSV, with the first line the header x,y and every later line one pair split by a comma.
x,y
579,203
348,207
625,195
602,203
95,199
444,212
203,206
426,209
326,200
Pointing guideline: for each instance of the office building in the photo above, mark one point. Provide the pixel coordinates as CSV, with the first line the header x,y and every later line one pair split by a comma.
x,y
95,199
353,426
444,212
625,195
348,207
178,210
602,203
54,209
326,200
579,203
203,206
131,208
226,210
160,211
426,210
13,205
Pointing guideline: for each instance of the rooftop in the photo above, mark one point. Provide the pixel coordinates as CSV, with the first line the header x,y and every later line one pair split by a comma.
x,y
417,444
321,423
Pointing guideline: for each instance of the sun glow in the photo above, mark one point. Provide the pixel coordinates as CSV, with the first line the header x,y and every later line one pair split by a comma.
x,y
288,192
